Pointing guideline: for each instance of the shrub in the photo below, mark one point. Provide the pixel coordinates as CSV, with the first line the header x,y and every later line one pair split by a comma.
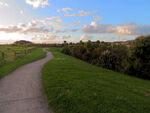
x,y
139,57
133,59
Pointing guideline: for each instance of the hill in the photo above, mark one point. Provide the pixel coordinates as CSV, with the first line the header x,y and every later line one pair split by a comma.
x,y
74,86
23,43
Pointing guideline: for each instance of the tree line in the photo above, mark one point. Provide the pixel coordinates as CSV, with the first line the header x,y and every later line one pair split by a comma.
x,y
132,58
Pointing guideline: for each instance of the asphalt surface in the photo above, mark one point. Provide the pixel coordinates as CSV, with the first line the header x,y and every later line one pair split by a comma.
x,y
22,91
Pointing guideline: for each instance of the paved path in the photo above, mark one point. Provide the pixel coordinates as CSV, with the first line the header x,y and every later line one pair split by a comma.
x,y
22,92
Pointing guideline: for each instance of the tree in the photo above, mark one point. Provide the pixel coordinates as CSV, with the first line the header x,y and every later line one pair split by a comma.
x,y
139,57
108,60
65,43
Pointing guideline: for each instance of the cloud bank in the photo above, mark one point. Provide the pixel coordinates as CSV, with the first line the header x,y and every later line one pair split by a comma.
x,y
24,29
124,29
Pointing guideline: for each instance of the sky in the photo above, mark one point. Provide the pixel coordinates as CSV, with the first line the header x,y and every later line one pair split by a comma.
x,y
53,21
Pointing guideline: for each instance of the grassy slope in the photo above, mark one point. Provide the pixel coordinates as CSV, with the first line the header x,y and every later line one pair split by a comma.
x,y
74,86
33,56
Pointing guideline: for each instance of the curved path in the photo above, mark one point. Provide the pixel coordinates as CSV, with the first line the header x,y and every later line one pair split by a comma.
x,y
22,92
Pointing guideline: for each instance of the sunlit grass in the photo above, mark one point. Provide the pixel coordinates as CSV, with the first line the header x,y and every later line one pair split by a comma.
x,y
8,67
74,86
9,52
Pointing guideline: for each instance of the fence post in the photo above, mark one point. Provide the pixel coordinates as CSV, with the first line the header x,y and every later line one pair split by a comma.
x,y
25,52
15,54
3,55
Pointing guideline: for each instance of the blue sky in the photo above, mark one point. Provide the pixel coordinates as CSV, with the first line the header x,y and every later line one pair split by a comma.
x,y
54,21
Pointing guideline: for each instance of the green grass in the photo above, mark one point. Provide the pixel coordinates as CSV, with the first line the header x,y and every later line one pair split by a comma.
x,y
9,52
74,86
30,57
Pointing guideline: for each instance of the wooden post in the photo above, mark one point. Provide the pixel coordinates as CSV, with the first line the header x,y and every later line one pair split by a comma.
x,y
25,52
15,54
3,55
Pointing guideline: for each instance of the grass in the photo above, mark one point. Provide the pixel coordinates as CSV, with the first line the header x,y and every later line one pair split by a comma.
x,y
24,59
9,52
74,86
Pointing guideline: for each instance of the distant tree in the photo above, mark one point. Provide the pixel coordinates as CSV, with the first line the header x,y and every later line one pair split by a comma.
x,y
70,43
98,42
81,43
65,43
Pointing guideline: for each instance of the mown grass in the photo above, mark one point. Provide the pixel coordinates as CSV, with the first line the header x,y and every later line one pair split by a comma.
x,y
30,57
74,86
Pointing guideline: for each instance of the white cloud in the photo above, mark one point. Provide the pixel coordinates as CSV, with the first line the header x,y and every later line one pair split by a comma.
x,y
2,4
67,36
54,21
87,13
77,23
85,37
38,3
58,10
36,30
21,12
21,25
79,13
67,14
61,31
74,30
10,29
21,28
54,18
133,29
124,29
95,27
52,36
66,11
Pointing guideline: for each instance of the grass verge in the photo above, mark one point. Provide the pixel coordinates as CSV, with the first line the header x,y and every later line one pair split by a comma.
x,y
33,56
74,86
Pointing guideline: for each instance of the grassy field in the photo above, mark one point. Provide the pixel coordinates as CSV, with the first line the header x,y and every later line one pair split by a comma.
x,y
8,67
11,52
74,86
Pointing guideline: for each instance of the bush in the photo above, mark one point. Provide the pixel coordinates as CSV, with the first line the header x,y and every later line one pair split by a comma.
x,y
133,59
139,57
66,50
